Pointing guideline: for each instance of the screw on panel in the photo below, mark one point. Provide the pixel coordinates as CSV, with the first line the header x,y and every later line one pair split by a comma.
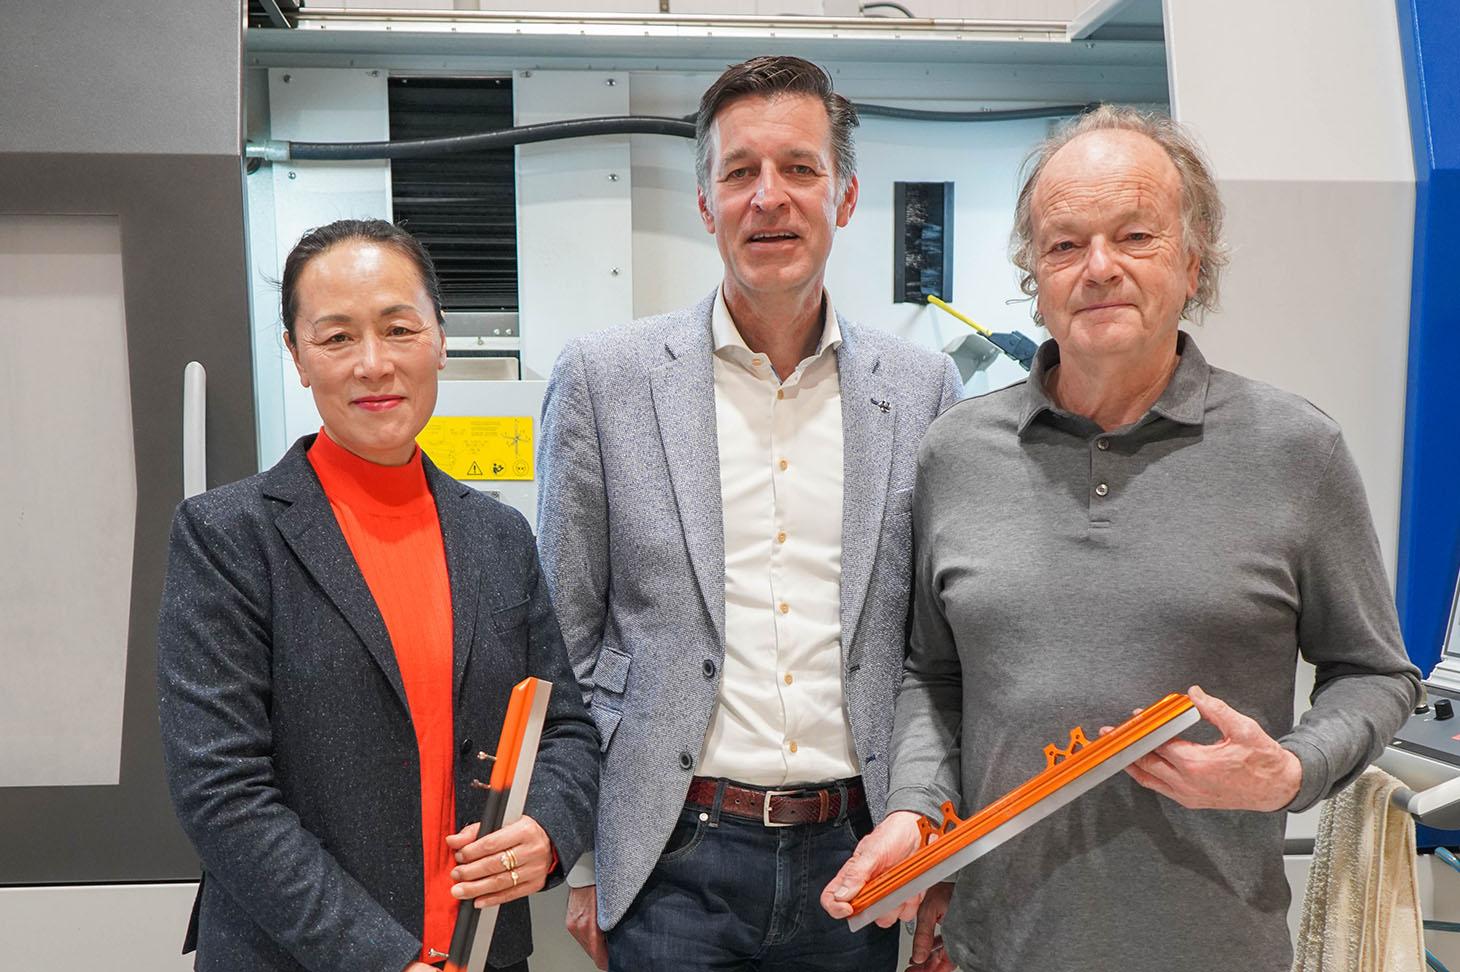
x,y
293,175
375,74
286,79
613,272
611,82
613,177
527,74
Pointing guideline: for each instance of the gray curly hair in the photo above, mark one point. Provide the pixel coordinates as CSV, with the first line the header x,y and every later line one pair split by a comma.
x,y
1201,206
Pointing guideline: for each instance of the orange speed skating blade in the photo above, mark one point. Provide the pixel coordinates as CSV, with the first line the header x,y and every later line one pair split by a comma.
x,y
1068,773
509,743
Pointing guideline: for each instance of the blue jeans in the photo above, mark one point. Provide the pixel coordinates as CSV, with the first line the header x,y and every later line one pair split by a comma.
x,y
732,895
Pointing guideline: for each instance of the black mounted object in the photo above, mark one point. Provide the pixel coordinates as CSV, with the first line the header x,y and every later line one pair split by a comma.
x,y
922,240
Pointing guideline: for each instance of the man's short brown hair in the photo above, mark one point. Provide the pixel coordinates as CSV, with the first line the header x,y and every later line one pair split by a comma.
x,y
770,76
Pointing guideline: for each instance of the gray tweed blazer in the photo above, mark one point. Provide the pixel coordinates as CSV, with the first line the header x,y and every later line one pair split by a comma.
x,y
631,533
287,736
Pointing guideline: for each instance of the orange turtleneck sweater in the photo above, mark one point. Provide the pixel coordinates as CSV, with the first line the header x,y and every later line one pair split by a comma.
x,y
389,520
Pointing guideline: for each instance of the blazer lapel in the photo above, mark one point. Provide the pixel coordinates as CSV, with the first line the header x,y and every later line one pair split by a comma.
x,y
309,527
683,389
461,567
869,413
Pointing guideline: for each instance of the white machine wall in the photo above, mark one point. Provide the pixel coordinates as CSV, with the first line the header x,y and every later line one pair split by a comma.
x,y
574,223
1310,142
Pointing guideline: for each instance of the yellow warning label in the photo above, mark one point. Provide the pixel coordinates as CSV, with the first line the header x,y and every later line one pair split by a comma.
x,y
478,447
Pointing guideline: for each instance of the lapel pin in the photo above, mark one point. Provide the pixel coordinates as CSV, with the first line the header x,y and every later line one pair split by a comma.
x,y
883,405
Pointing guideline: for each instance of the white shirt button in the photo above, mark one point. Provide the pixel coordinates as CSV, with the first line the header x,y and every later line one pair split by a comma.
x,y
1102,489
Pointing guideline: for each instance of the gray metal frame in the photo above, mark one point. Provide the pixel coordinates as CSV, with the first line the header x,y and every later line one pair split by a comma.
x,y
184,279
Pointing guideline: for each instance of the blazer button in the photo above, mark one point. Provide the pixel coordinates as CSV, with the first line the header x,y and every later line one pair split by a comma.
x,y
709,668
466,746
686,761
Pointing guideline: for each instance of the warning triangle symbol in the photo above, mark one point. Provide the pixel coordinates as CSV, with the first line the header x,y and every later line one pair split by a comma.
x,y
475,470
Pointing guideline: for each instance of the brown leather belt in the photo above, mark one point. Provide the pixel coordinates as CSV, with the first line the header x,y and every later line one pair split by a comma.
x,y
779,808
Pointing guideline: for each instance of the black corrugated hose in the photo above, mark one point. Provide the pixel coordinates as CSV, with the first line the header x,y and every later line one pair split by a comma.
x,y
615,125
505,138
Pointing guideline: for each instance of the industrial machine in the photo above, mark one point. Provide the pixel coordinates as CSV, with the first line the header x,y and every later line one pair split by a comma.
x,y
1425,753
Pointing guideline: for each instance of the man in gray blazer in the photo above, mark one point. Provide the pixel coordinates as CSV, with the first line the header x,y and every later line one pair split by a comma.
x,y
723,520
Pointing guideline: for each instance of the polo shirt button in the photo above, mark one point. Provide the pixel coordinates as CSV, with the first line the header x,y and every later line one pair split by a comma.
x,y
1102,444
1102,489
708,668
686,761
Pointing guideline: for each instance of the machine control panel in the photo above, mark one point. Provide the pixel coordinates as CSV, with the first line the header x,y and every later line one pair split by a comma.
x,y
1432,730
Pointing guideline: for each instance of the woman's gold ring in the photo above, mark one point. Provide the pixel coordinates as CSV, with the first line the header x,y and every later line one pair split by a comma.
x,y
513,872
509,858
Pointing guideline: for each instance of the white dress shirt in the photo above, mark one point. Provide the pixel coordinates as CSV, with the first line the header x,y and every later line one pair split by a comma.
x,y
780,719
781,714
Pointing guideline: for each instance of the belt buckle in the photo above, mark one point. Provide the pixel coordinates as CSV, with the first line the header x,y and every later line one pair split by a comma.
x,y
765,808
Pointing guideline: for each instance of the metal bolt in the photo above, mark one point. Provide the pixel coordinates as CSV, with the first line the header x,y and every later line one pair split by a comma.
x,y
286,79
527,74
611,82
293,175
613,272
375,74
613,177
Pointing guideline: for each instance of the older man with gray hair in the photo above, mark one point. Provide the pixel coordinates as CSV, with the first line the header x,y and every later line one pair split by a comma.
x,y
1127,522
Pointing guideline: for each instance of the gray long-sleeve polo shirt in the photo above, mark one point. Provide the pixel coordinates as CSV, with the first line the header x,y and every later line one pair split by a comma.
x,y
1066,575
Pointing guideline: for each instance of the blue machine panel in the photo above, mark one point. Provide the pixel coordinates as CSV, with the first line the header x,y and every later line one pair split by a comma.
x,y
1429,522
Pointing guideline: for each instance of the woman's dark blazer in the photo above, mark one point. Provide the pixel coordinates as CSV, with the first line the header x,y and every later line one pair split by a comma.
x,y
288,742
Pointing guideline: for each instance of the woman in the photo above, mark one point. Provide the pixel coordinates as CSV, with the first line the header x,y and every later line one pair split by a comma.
x,y
337,642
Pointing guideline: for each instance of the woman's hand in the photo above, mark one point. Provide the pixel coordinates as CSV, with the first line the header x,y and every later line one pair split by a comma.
x,y
511,863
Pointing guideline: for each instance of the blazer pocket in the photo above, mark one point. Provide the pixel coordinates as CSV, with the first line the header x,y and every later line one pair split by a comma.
x,y
510,618
607,721
611,671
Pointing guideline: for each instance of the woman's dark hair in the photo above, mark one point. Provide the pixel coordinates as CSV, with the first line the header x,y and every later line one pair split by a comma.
x,y
378,231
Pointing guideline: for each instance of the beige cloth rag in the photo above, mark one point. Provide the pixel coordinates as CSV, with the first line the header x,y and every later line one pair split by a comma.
x,y
1361,911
